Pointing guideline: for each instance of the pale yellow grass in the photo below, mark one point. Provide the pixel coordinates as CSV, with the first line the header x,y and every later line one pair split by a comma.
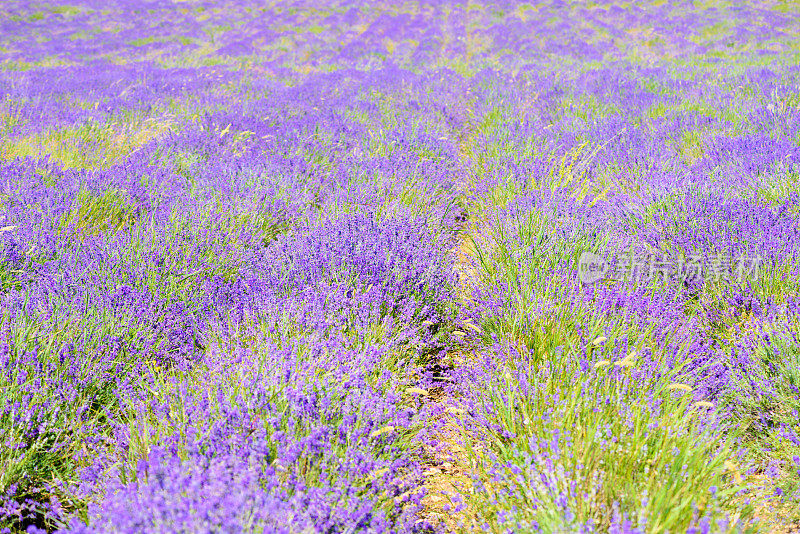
x,y
448,467
87,146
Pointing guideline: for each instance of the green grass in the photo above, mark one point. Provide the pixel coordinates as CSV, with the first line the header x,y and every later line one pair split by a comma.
x,y
88,145
93,214
49,455
636,472
639,446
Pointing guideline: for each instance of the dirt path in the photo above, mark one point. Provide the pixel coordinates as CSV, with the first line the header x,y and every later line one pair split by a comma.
x,y
448,470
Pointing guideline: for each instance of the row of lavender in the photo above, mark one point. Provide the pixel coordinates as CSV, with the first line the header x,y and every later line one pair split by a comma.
x,y
218,332
657,398
226,271
111,57
345,32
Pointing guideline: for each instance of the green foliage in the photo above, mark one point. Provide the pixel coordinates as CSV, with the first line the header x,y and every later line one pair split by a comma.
x,y
588,443
92,214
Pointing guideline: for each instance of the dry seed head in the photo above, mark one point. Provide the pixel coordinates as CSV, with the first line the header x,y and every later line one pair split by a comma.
x,y
384,430
682,387
730,466
627,361
472,327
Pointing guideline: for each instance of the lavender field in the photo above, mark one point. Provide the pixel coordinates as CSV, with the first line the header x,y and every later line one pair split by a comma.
x,y
344,267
